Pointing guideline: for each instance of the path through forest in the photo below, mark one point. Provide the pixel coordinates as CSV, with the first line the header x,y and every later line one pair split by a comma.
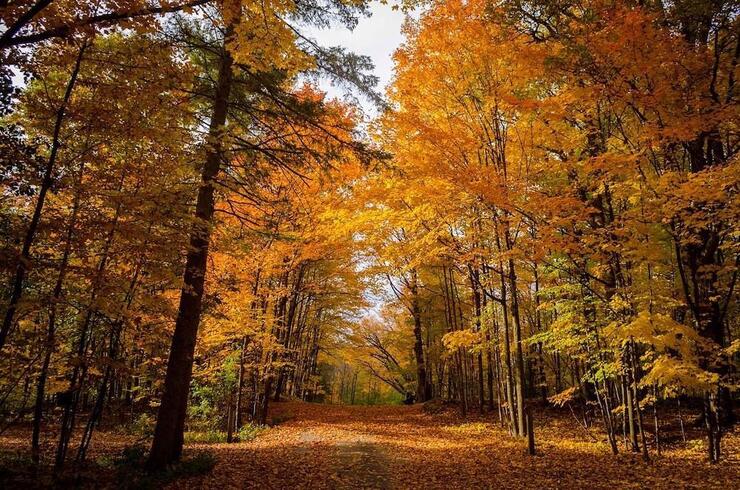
x,y
324,446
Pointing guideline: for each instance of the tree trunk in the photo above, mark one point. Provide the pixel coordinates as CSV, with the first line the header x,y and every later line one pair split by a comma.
x,y
168,434
107,383
530,432
517,337
16,287
422,383
630,404
51,328
79,373
240,387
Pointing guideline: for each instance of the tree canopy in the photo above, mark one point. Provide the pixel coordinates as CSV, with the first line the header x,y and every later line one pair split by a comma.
x,y
543,216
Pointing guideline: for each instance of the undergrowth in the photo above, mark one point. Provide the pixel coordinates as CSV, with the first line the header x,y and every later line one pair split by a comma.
x,y
130,472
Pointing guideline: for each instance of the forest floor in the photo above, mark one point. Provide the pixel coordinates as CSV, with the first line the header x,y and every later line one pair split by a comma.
x,y
336,447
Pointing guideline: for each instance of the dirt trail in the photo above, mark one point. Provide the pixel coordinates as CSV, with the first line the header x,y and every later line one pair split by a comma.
x,y
331,447
357,461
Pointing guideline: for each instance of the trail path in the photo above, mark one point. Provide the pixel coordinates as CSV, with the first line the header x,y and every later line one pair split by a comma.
x,y
332,447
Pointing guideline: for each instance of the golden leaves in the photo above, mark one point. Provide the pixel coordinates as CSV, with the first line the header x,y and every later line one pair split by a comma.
x,y
465,339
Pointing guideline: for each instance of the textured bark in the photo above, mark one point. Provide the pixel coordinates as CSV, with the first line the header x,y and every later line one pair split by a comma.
x,y
168,433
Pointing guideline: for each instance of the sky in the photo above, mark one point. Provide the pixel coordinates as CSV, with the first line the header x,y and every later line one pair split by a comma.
x,y
376,36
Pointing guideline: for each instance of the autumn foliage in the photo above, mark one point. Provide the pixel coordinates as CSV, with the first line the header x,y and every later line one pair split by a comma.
x,y
540,223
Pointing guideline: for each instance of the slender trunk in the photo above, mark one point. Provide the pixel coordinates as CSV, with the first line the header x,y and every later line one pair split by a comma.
x,y
229,420
475,285
680,419
489,357
518,343
423,392
266,400
538,324
107,383
655,419
456,312
77,378
51,328
605,408
240,387
635,394
630,404
507,360
24,260
489,374
510,395
96,412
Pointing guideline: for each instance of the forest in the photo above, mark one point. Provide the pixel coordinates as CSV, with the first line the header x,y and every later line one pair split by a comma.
x,y
517,269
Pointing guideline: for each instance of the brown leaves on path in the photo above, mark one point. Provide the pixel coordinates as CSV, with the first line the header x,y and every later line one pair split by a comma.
x,y
324,446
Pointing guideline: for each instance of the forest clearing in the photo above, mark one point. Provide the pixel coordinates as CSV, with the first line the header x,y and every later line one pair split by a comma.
x,y
369,244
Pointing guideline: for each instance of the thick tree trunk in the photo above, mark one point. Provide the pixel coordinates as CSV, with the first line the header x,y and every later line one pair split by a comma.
x,y
168,434
530,432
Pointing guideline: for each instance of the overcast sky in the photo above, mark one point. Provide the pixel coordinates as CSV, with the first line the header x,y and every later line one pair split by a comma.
x,y
377,36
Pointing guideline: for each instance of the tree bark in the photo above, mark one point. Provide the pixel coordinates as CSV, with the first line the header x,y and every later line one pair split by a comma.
x,y
77,378
168,434
16,287
423,392
38,411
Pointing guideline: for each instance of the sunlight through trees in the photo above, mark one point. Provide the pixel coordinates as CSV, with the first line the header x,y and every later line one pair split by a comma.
x,y
540,227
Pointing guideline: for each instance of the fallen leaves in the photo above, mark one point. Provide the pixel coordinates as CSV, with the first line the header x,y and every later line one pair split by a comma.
x,y
398,447
326,446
